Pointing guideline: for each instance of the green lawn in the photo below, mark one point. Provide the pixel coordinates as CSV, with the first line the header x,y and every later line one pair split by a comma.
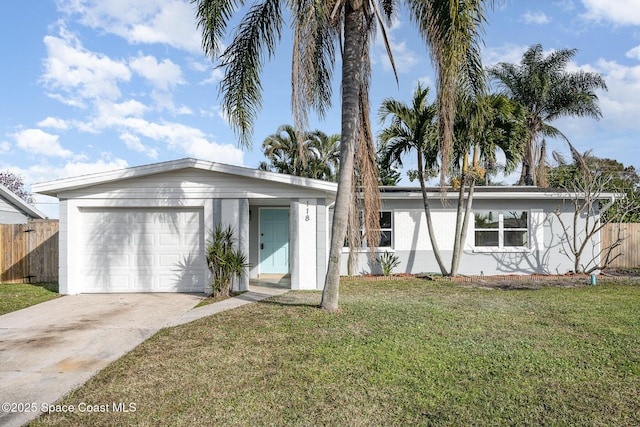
x,y
18,296
399,353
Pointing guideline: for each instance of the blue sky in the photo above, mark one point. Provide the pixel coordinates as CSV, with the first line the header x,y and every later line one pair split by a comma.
x,y
90,85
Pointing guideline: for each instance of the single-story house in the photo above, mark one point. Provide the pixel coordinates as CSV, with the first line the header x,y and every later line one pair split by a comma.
x,y
144,229
14,210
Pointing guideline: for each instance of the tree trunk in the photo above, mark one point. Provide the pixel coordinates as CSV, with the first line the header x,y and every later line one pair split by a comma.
x,y
528,173
352,69
461,231
427,212
463,222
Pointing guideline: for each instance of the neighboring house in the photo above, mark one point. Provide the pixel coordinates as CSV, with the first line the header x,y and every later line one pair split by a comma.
x,y
14,210
144,229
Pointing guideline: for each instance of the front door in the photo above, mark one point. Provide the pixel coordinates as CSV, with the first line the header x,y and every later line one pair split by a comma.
x,y
274,241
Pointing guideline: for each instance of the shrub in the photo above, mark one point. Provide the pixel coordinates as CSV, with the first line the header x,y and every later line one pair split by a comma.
x,y
388,262
225,262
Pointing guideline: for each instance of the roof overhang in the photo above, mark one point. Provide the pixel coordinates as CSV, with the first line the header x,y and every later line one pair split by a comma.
x,y
20,204
492,193
53,188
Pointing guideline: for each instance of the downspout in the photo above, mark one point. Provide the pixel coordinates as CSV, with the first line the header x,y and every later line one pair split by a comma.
x,y
611,201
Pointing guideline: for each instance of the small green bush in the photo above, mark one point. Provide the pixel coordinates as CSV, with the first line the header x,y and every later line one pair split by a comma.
x,y
225,262
388,262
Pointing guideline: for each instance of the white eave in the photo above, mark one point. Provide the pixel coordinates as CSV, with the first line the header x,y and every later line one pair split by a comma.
x,y
490,193
20,204
53,188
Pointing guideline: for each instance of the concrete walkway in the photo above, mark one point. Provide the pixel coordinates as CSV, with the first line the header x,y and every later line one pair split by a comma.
x,y
49,349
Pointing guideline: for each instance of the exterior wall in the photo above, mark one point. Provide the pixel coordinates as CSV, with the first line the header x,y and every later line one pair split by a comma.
x,y
322,237
10,215
304,250
411,243
235,213
225,199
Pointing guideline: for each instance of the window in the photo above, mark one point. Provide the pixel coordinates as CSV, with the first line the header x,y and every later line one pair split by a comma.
x,y
386,231
501,229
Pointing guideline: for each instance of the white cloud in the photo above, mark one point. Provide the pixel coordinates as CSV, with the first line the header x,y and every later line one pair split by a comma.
x,y
72,102
133,142
164,101
170,22
535,18
633,53
46,172
188,140
36,141
80,73
127,118
162,75
618,12
508,52
403,57
53,123
566,5
4,146
216,75
622,101
113,112
199,66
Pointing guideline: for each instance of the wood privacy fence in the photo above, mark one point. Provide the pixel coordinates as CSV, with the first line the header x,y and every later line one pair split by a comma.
x,y
29,252
630,247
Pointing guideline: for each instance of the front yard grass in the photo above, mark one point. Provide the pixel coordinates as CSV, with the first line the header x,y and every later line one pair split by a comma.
x,y
407,352
21,295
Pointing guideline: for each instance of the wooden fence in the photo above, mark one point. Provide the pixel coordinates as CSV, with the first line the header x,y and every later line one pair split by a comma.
x,y
630,247
29,252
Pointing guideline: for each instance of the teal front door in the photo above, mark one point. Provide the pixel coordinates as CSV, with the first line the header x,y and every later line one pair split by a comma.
x,y
274,241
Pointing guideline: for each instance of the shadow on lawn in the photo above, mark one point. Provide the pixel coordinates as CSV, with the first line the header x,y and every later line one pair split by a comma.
x,y
281,303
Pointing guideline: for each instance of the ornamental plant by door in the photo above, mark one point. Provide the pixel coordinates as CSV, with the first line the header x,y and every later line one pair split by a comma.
x,y
225,262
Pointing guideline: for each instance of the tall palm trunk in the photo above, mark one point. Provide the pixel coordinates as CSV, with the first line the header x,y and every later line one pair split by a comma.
x,y
352,68
528,173
462,219
462,224
427,212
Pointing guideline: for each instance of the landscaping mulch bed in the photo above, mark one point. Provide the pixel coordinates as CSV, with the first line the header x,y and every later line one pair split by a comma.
x,y
515,281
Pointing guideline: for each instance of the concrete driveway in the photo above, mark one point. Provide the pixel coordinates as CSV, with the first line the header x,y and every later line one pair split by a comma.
x,y
51,348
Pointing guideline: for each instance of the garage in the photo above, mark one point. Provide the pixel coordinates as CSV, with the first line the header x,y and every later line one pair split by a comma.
x,y
142,250
145,228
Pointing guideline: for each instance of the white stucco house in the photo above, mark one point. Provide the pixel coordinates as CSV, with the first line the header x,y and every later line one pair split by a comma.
x,y
144,229
14,210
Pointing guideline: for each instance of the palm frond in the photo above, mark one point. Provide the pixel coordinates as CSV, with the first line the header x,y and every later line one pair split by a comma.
x,y
212,17
258,33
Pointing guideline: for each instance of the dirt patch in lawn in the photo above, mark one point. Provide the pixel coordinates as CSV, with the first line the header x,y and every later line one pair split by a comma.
x,y
538,281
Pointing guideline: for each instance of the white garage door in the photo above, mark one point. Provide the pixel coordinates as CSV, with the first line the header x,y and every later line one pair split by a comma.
x,y
143,250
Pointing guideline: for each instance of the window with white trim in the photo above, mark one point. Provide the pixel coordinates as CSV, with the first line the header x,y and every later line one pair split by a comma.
x,y
386,231
501,229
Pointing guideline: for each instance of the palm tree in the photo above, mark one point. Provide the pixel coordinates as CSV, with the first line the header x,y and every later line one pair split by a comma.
x,y
449,27
547,91
484,124
285,151
452,31
413,128
325,156
313,156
